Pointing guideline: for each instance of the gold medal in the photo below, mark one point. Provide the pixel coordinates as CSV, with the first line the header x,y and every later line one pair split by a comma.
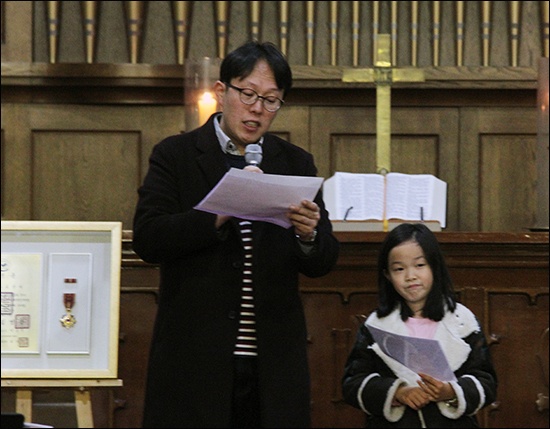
x,y
68,320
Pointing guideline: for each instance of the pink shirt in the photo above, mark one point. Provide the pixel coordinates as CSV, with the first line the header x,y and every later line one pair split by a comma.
x,y
421,328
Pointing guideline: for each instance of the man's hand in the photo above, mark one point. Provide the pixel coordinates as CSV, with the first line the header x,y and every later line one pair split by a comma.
x,y
305,218
253,168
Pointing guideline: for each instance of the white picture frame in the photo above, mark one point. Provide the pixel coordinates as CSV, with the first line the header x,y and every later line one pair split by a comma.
x,y
60,299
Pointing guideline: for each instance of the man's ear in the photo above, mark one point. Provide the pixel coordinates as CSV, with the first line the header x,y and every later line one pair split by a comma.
x,y
219,91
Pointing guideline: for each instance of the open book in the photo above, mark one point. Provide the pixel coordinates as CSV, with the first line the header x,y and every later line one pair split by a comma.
x,y
406,197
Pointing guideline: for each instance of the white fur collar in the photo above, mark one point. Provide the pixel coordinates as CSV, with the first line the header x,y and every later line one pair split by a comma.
x,y
450,333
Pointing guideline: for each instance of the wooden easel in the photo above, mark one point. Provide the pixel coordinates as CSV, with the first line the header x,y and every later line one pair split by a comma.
x,y
82,397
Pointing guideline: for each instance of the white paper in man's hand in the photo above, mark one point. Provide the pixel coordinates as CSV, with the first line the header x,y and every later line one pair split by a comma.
x,y
255,196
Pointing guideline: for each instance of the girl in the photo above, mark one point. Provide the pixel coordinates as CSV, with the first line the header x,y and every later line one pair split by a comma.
x,y
416,299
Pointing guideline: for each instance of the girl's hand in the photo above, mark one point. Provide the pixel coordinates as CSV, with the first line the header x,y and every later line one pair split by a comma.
x,y
437,390
411,396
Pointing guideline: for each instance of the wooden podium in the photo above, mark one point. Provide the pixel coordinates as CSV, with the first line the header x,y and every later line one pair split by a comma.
x,y
82,397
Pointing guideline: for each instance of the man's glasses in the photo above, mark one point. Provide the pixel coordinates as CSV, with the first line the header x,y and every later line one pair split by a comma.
x,y
249,96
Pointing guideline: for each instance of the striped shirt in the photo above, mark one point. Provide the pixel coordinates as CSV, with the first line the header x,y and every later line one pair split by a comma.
x,y
246,339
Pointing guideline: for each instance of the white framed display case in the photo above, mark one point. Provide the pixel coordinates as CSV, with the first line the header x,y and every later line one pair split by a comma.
x,y
60,299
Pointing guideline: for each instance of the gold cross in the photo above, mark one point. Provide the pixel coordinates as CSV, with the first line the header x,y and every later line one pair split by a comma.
x,y
383,75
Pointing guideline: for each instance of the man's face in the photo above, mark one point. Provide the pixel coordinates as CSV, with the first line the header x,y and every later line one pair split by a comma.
x,y
246,123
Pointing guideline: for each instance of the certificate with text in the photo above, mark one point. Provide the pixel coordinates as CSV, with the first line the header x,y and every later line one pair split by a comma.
x,y
21,295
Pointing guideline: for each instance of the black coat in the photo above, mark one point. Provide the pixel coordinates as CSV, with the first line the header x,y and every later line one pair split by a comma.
x,y
190,372
371,377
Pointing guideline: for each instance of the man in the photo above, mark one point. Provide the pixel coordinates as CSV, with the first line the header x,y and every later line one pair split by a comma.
x,y
229,344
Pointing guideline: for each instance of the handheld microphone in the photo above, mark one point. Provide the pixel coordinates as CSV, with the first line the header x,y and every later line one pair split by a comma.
x,y
253,154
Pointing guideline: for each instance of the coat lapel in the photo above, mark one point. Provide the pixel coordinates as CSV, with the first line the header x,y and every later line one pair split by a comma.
x,y
211,160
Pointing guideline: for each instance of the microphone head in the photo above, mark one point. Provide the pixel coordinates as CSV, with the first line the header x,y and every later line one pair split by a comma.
x,y
253,154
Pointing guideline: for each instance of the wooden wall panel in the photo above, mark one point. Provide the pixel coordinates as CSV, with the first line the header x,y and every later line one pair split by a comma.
x,y
331,334
81,162
138,310
518,325
84,176
357,154
330,122
352,153
508,186
2,170
412,154
292,124
498,169
16,27
16,162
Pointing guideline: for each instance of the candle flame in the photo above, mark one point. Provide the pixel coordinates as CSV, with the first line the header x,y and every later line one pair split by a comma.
x,y
207,106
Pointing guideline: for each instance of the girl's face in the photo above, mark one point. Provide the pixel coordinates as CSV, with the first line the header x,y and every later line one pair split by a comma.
x,y
410,274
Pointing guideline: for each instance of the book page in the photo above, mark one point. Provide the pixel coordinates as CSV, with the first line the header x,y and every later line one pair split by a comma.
x,y
354,196
413,197
438,209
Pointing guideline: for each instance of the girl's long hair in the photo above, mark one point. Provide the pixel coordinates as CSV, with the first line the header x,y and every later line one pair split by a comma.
x,y
442,295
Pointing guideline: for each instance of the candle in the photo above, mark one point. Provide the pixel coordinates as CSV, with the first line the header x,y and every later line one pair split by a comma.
x,y
207,106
